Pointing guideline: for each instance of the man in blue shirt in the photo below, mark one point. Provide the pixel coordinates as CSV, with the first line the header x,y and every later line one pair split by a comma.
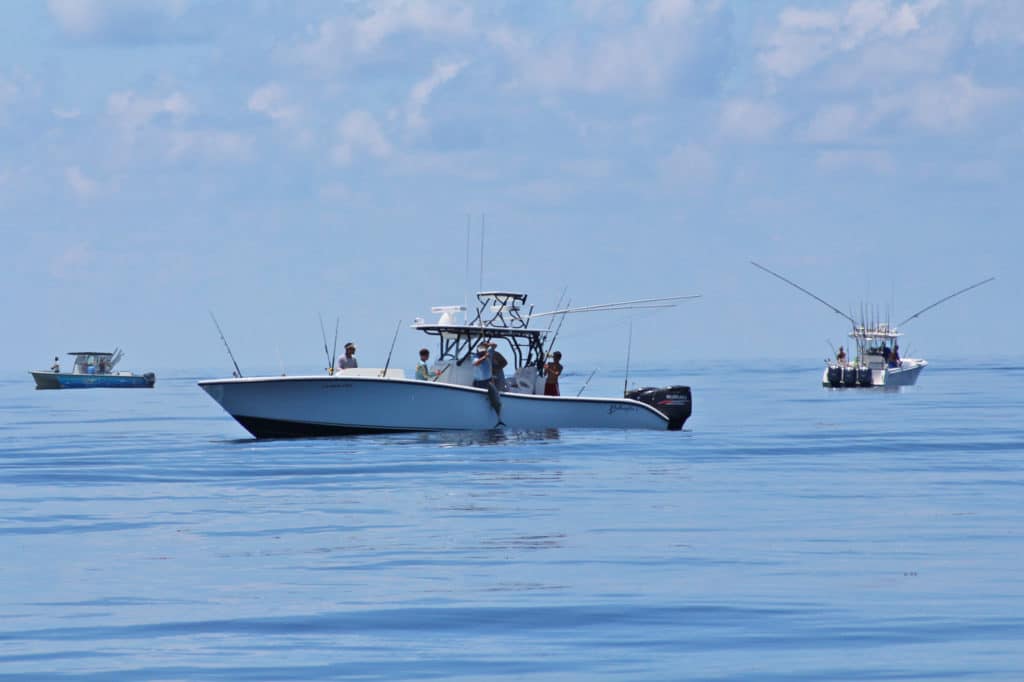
x,y
482,365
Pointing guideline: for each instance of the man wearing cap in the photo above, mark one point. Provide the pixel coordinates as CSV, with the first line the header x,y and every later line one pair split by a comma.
x,y
482,372
348,360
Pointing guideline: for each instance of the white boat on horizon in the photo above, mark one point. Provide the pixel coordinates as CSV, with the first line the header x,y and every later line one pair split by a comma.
x,y
378,401
877,362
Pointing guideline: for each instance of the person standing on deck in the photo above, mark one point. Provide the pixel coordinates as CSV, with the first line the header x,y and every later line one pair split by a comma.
x,y
483,373
422,370
552,371
498,365
348,360
841,357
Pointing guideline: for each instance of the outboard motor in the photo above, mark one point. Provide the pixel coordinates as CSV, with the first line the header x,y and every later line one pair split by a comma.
x,y
850,376
835,376
864,376
675,402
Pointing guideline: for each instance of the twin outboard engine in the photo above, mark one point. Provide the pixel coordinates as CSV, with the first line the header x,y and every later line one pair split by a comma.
x,y
839,376
835,376
864,376
675,402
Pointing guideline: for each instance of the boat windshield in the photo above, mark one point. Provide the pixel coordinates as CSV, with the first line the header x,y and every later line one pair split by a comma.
x,y
92,363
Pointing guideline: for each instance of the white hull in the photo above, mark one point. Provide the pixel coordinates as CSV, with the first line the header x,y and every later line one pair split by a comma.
x,y
904,375
327,405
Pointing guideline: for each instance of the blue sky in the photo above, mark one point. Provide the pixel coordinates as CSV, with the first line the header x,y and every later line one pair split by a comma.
x,y
271,161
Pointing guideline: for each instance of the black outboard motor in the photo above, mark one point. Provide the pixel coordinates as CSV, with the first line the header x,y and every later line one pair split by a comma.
x,y
849,376
864,376
835,376
675,402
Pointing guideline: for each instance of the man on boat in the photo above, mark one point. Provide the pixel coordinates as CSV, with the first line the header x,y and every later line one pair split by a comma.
x,y
348,360
552,371
894,357
55,367
841,357
422,370
483,372
498,365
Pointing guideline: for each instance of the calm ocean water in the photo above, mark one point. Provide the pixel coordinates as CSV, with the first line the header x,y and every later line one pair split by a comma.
x,y
791,533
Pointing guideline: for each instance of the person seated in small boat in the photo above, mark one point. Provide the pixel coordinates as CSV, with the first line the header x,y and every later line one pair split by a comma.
x,y
841,357
422,370
552,371
483,374
894,357
55,367
348,360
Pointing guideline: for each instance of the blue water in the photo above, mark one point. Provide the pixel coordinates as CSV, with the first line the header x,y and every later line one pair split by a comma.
x,y
791,533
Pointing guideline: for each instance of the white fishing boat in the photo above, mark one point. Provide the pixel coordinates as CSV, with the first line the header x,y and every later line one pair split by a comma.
x,y
92,369
877,361
381,401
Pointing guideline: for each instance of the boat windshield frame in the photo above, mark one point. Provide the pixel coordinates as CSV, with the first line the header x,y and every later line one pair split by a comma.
x,y
92,362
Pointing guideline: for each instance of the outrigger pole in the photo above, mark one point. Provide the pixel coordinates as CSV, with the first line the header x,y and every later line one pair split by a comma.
x,y
814,296
230,354
665,302
953,295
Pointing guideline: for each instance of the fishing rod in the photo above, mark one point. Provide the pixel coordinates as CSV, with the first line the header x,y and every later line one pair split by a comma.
x,y
557,306
231,355
555,337
330,360
629,350
334,349
814,296
953,295
666,302
395,338
583,388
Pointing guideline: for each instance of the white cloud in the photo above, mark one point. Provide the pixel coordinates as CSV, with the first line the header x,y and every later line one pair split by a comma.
x,y
689,164
750,119
998,21
944,106
211,145
66,114
835,123
877,161
643,54
421,92
82,186
359,131
804,38
272,101
338,42
88,18
132,112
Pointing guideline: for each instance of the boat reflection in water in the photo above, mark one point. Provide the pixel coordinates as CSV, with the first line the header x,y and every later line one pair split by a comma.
x,y
361,401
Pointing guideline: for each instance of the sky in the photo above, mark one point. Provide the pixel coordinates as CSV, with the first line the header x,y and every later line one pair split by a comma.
x,y
274,161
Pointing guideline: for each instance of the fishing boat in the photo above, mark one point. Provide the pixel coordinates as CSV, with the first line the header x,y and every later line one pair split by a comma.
x,y
877,361
92,369
384,401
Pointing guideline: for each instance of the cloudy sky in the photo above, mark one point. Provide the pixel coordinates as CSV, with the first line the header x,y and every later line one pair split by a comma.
x,y
271,161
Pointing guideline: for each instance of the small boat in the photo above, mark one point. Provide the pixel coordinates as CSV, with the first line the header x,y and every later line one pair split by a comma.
x,y
383,401
92,369
877,362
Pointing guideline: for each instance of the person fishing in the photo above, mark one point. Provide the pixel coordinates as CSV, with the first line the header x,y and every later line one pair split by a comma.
x,y
483,376
422,370
552,371
348,360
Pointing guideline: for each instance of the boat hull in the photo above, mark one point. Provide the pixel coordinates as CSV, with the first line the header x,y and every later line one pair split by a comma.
x,y
279,407
53,380
889,377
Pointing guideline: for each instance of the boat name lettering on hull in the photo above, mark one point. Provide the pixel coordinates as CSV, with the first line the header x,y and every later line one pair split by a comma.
x,y
612,409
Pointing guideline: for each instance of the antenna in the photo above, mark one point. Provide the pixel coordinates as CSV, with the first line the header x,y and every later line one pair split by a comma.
x,y
629,350
815,297
483,231
393,339
943,300
465,283
231,355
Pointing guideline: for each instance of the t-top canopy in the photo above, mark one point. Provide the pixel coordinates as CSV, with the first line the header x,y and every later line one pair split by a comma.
x,y
101,353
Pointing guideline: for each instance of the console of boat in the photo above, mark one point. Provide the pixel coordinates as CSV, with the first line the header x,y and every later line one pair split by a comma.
x,y
372,401
92,369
